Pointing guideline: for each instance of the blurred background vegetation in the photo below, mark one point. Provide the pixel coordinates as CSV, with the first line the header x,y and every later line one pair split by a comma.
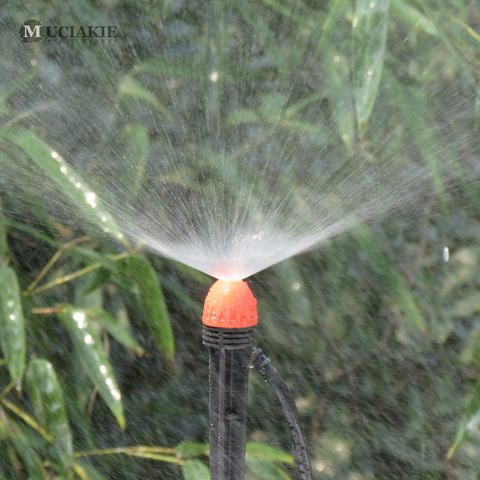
x,y
377,333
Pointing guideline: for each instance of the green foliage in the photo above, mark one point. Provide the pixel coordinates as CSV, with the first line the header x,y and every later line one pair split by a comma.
x,y
376,334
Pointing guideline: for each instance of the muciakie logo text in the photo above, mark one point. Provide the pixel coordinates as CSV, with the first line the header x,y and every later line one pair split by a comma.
x,y
33,31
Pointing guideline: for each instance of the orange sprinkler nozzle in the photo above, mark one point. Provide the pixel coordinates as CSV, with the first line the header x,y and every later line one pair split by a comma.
x,y
230,304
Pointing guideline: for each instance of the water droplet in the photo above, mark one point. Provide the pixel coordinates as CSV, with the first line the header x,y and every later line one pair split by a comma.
x,y
213,76
88,339
336,58
446,254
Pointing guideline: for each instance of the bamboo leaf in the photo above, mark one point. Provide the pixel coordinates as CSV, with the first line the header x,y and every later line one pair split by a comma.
x,y
337,73
294,292
387,270
90,349
265,470
32,461
3,236
195,470
266,452
117,331
334,10
412,17
470,421
12,324
68,181
137,150
129,87
49,406
369,39
152,302
191,449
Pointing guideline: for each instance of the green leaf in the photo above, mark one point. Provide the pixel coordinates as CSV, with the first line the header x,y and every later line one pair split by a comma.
x,y
195,470
12,324
419,120
387,270
152,302
470,421
47,399
265,470
337,73
293,291
369,39
117,331
29,456
3,236
191,449
129,87
68,181
266,452
412,17
335,8
137,153
90,349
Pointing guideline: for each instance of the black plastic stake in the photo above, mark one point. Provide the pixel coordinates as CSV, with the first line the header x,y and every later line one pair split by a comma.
x,y
230,352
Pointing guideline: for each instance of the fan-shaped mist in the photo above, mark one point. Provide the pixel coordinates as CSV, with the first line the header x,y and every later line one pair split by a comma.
x,y
202,145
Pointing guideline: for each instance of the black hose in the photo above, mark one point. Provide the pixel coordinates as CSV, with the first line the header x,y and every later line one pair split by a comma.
x,y
265,368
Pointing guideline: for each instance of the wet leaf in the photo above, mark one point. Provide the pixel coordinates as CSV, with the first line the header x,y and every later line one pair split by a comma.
x,y
90,349
137,151
152,302
129,87
392,280
265,470
47,399
266,452
369,39
68,181
12,324
470,421
335,8
412,17
32,461
195,470
294,292
117,331
191,449
337,73
3,236
418,118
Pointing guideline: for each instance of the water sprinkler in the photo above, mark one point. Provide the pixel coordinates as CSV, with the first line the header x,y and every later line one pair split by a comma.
x,y
229,321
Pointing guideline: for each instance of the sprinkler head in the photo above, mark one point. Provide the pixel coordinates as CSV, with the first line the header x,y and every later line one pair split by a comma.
x,y
230,304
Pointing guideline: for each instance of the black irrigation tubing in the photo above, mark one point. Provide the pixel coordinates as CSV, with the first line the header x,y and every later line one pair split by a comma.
x,y
265,368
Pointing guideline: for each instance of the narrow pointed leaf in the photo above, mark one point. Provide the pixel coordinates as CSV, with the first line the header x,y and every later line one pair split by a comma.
x,y
369,38
195,470
412,17
334,10
12,324
90,349
267,452
470,422
191,449
137,148
29,456
336,64
392,280
153,303
129,87
47,399
265,470
117,331
67,180
3,236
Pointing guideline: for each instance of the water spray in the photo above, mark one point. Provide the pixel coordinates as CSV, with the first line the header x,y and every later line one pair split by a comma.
x,y
229,320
